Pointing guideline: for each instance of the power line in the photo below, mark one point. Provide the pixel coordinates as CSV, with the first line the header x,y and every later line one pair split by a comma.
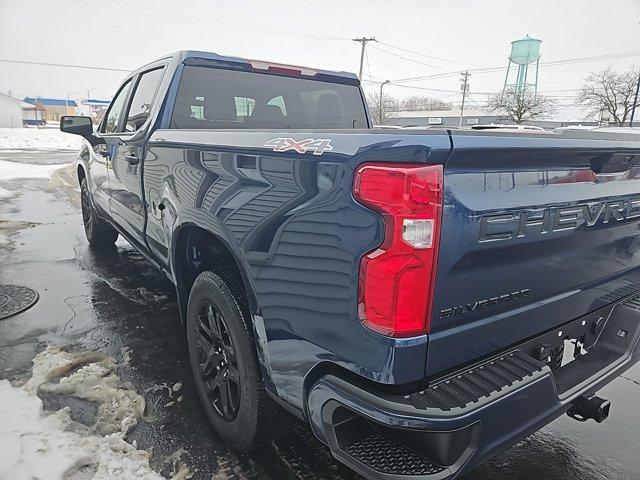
x,y
473,101
376,81
172,15
594,58
429,77
414,87
366,57
569,61
406,58
65,65
421,54
372,78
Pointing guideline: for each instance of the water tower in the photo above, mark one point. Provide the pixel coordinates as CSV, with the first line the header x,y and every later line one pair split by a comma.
x,y
524,53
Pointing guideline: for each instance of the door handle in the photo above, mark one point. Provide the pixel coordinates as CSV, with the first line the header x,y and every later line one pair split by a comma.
x,y
104,153
132,159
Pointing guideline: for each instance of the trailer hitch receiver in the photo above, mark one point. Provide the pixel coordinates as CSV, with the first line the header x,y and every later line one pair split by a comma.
x,y
584,408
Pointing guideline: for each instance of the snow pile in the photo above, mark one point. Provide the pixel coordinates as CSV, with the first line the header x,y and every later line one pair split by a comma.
x,y
119,405
38,139
12,170
37,444
64,184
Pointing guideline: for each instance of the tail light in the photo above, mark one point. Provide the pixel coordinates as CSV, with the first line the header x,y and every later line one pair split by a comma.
x,y
397,279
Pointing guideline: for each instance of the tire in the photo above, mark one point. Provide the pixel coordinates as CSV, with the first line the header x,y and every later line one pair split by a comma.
x,y
557,354
225,366
99,234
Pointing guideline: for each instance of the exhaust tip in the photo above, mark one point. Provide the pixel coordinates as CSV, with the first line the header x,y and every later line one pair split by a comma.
x,y
585,408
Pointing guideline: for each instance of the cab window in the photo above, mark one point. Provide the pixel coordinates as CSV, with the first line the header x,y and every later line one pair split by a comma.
x,y
112,119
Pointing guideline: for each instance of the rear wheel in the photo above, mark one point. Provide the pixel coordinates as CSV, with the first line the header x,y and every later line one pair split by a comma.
x,y
98,233
224,363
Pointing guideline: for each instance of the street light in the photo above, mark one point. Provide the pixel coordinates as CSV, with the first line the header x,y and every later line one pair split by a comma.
x,y
380,102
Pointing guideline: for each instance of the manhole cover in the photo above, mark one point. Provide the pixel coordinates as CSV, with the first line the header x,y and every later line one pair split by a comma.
x,y
14,299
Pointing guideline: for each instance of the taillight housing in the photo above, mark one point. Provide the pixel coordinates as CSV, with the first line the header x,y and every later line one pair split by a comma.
x,y
395,291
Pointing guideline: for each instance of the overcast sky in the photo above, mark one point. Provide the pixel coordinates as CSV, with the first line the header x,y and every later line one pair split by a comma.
x,y
471,34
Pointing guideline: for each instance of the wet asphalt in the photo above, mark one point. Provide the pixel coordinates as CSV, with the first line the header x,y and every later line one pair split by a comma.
x,y
115,300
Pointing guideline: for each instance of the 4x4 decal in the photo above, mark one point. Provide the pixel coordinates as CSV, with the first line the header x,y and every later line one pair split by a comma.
x,y
317,146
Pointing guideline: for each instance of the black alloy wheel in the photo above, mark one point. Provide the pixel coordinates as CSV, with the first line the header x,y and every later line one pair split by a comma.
x,y
225,365
218,363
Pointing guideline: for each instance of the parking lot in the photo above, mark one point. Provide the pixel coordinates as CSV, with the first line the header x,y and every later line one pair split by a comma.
x,y
116,304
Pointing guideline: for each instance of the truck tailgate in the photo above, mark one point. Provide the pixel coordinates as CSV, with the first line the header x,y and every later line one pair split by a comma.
x,y
536,231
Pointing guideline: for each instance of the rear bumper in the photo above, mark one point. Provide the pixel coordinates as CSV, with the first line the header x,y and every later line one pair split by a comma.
x,y
460,420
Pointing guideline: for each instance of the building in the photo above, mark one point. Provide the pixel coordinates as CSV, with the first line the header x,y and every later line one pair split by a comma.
x,y
442,118
97,108
32,114
54,108
451,118
10,111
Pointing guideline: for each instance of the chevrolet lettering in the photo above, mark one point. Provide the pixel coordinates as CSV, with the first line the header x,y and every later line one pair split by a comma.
x,y
508,225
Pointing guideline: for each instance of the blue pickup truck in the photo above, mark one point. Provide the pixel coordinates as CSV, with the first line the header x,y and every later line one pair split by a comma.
x,y
423,299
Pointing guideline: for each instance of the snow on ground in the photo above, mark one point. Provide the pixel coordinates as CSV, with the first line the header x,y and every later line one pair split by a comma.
x,y
13,170
4,193
37,139
52,446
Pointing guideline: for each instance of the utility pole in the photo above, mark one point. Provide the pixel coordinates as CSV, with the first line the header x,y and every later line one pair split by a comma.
x,y
381,102
464,78
635,102
363,41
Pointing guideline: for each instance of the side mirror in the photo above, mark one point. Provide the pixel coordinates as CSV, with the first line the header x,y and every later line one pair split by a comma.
x,y
82,126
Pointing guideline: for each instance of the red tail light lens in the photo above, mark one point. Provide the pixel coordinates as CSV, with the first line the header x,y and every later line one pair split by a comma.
x,y
397,279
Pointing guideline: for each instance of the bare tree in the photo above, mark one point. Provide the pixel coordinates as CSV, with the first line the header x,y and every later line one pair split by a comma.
x,y
419,102
608,91
521,105
382,108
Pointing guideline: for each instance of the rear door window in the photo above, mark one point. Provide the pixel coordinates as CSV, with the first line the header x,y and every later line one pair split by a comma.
x,y
214,98
142,100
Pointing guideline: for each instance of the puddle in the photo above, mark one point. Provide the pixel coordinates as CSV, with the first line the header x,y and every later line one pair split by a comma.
x,y
80,410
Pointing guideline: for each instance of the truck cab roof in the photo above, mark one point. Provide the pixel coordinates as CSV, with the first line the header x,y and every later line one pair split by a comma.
x,y
193,56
